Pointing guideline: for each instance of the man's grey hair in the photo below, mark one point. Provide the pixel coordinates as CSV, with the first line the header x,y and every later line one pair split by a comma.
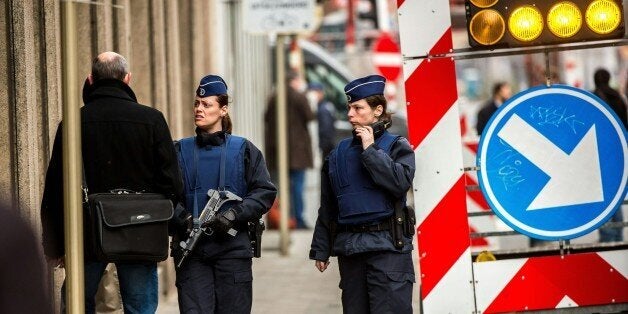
x,y
109,66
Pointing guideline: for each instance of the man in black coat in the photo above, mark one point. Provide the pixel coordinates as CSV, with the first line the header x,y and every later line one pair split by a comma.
x,y
124,145
601,78
501,93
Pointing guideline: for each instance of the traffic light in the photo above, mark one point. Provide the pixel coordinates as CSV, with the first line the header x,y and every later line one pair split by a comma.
x,y
516,23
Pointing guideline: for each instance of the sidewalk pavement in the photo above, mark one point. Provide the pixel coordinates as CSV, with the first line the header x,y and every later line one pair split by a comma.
x,y
286,284
289,284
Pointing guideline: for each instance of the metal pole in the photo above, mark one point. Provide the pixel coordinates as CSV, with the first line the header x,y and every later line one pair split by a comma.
x,y
350,28
548,74
72,166
233,71
282,147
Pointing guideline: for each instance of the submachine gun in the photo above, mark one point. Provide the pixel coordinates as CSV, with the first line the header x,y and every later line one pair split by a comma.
x,y
215,202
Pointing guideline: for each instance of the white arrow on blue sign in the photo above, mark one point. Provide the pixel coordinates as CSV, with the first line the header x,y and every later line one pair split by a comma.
x,y
553,162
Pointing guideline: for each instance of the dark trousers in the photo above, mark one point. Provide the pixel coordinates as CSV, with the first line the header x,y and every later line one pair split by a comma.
x,y
215,286
376,282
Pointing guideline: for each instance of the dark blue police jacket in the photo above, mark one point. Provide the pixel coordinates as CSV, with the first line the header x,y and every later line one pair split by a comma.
x,y
201,171
359,199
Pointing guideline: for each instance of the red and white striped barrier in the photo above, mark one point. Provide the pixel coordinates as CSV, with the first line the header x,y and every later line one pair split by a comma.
x,y
447,284
434,132
550,282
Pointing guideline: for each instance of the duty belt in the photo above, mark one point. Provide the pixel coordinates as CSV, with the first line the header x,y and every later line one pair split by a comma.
x,y
384,225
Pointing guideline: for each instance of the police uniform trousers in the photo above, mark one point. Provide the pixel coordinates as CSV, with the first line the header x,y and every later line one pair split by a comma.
x,y
376,282
215,286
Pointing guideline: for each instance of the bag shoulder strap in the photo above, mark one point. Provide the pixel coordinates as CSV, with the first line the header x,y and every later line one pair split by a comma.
x,y
84,184
223,162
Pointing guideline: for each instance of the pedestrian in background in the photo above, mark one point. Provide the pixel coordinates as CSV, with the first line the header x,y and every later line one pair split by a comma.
x,y
217,276
326,117
124,145
300,156
364,182
610,96
501,93
22,269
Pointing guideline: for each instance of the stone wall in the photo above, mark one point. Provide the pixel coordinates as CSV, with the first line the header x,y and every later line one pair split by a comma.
x,y
30,99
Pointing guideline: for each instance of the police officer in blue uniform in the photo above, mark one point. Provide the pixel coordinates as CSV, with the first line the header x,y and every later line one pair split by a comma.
x,y
363,219
217,276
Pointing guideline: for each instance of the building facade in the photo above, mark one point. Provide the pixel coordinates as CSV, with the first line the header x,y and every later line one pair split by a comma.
x,y
170,45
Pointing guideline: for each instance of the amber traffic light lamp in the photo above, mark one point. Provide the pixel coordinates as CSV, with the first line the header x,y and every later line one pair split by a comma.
x,y
518,23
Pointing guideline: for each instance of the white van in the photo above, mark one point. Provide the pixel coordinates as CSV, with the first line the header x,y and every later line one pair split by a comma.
x,y
322,67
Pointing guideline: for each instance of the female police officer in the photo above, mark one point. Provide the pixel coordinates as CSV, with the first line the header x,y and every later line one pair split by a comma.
x,y
217,275
363,187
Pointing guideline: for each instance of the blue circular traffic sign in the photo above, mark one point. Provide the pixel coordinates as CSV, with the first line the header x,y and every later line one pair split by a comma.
x,y
553,162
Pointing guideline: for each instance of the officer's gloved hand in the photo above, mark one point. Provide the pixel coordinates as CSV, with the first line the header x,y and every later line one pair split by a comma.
x,y
183,220
188,223
223,221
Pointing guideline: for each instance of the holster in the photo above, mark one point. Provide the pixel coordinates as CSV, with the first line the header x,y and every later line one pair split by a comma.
x,y
410,221
402,223
256,228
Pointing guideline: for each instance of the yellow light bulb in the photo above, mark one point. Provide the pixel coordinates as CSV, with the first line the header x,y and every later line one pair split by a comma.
x,y
603,16
525,23
483,3
487,27
564,19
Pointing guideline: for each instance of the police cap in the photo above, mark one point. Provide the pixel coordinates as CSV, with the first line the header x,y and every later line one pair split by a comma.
x,y
211,85
364,87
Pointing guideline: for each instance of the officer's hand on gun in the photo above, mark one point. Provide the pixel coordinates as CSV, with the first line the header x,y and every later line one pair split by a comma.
x,y
188,223
183,220
223,221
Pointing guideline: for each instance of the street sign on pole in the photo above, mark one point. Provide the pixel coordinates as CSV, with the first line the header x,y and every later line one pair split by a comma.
x,y
387,57
278,16
553,162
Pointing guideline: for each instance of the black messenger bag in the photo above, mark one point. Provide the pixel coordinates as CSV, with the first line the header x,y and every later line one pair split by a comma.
x,y
127,226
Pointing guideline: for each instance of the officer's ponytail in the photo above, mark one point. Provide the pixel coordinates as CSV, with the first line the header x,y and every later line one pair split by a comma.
x,y
227,125
376,100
